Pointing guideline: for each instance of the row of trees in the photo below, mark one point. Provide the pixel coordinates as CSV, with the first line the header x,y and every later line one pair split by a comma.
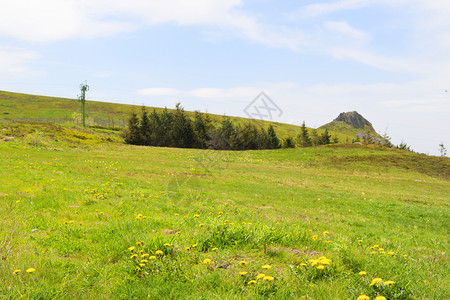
x,y
304,139
176,129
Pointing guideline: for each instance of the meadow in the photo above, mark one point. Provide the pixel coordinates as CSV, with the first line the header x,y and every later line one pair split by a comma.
x,y
84,216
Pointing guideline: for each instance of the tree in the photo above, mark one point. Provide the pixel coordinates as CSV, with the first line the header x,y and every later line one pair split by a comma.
x,y
131,134
315,138
404,146
303,138
325,137
442,150
273,140
288,142
181,132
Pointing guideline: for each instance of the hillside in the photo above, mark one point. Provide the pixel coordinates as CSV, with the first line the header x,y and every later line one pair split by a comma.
x,y
78,208
32,108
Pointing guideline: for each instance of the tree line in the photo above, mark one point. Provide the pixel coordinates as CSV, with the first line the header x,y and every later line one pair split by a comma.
x,y
176,129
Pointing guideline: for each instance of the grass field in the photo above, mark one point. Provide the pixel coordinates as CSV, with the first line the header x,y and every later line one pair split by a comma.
x,y
16,106
84,216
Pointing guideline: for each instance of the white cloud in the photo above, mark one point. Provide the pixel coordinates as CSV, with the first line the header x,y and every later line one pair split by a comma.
x,y
14,60
343,28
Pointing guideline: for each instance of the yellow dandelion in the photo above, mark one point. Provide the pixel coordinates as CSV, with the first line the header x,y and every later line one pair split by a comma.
x,y
311,285
326,232
187,248
391,253
260,276
137,268
404,255
214,249
266,267
363,297
303,264
152,257
17,272
314,237
159,252
167,245
31,270
376,281
132,248
207,261
144,255
176,215
389,282
242,273
362,273
360,241
243,263
268,278
380,298
144,261
142,265
195,245
201,225
252,282
133,256
320,267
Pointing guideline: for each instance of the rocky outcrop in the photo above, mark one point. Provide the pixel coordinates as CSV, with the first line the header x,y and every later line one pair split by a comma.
x,y
354,119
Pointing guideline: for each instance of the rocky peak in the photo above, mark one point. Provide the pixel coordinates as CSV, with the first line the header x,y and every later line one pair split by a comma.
x,y
354,119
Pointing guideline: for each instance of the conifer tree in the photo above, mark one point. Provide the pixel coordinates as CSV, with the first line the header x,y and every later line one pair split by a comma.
x,y
303,137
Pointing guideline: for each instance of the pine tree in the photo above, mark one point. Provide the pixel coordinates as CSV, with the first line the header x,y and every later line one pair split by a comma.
x,y
131,134
303,138
274,141
325,138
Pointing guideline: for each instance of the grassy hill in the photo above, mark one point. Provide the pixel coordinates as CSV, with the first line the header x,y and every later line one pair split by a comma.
x,y
23,107
84,216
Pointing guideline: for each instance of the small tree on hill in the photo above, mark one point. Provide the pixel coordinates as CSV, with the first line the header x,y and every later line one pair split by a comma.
x,y
303,138
325,138
274,141
442,150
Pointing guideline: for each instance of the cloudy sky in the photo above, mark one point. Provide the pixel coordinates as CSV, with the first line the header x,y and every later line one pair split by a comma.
x,y
387,59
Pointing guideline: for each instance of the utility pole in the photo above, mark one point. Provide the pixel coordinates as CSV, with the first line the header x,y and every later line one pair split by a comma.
x,y
83,87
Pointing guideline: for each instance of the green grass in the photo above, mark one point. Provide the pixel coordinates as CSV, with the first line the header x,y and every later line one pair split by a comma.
x,y
72,207
16,106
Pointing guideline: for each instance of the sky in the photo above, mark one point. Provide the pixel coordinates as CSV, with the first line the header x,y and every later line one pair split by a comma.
x,y
387,59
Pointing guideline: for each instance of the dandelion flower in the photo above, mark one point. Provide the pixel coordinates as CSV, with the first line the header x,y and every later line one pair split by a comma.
x,y
314,237
167,245
363,297
326,232
362,273
268,278
17,272
391,253
243,263
195,245
159,252
144,255
320,267
376,281
303,264
132,248
266,267
380,298
360,241
207,261
260,276
214,249
187,248
152,257
252,282
201,225
142,265
31,270
242,273
389,282
144,261
133,256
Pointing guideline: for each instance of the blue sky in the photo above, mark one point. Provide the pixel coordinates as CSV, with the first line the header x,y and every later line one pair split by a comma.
x,y
387,59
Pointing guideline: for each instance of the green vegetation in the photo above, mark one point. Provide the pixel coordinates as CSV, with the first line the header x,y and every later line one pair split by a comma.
x,y
84,216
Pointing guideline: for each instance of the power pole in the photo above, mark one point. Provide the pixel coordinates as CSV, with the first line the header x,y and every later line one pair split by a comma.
x,y
83,87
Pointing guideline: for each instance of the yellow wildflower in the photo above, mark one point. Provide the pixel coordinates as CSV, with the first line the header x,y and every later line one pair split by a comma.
x,y
142,265
363,297
17,272
152,257
31,270
314,237
389,282
251,282
266,267
195,245
214,249
207,261
360,241
268,278
391,253
242,273
159,252
260,276
362,273
320,267
167,245
144,255
303,264
144,261
243,263
380,298
376,281
326,232
132,248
